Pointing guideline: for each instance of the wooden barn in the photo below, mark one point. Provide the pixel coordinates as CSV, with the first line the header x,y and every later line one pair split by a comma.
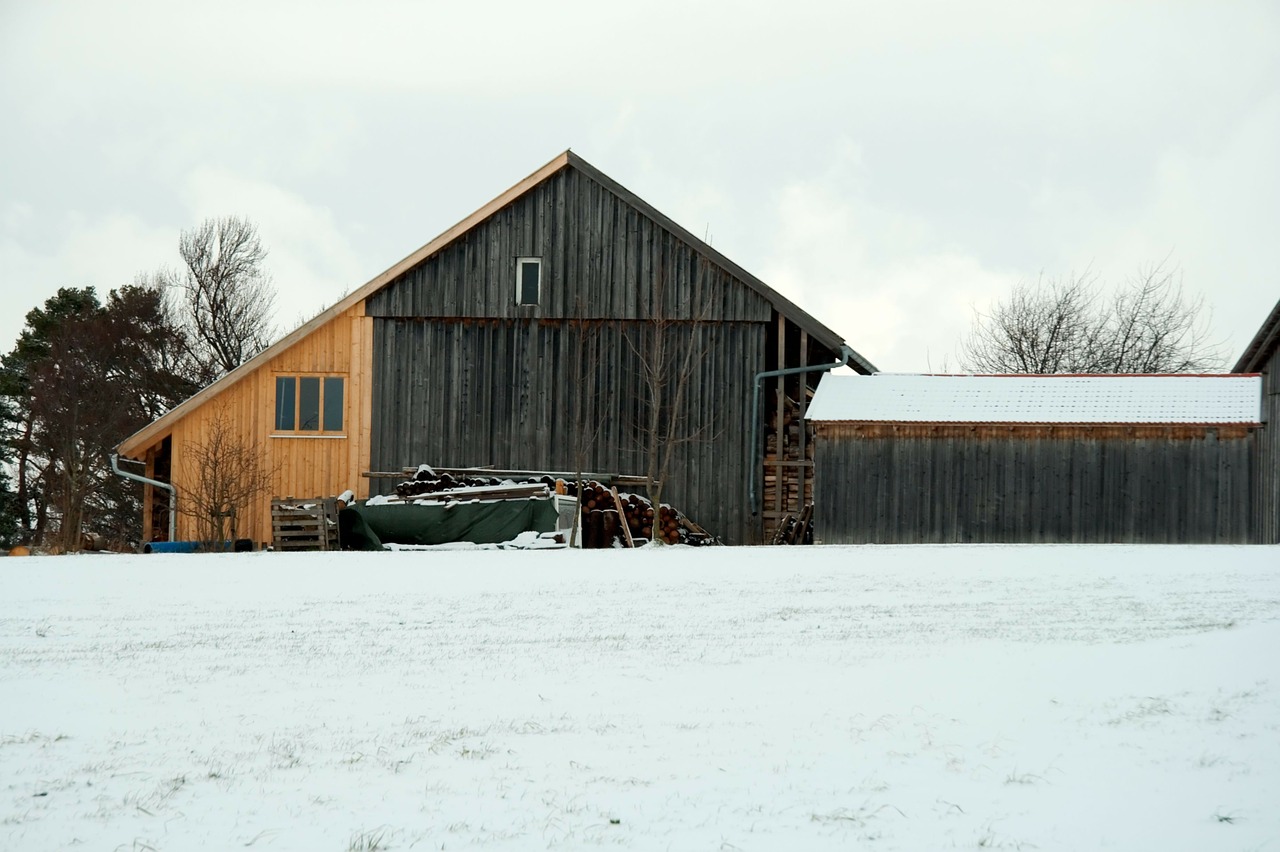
x,y
525,337
1262,355
926,458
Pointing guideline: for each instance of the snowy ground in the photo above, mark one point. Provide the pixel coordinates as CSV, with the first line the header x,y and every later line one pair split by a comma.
x,y
809,698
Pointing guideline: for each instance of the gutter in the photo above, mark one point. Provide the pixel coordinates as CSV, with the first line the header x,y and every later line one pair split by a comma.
x,y
167,486
757,459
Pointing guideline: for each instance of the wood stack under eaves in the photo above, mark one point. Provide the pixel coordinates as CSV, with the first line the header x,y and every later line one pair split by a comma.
x,y
788,477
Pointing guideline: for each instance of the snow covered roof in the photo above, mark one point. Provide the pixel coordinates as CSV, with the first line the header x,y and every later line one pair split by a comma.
x,y
898,398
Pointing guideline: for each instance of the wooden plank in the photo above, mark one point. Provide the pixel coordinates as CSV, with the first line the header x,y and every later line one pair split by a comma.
x,y
779,430
622,517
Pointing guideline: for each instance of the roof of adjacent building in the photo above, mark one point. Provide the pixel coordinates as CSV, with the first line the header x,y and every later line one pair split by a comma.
x,y
1259,350
1074,399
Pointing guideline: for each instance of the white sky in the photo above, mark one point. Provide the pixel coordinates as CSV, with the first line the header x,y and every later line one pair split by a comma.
x,y
889,167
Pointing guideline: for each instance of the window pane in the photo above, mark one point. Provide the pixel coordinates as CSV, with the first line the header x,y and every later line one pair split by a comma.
x,y
285,402
333,404
309,407
529,275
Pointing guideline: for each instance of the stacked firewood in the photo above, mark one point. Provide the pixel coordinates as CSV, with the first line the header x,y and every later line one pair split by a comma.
x,y
604,517
787,478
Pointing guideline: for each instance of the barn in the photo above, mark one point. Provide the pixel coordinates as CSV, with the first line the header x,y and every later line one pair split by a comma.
x,y
1262,355
565,325
1043,458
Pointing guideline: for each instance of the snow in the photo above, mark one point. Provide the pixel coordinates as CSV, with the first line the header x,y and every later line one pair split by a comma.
x,y
889,397
1032,697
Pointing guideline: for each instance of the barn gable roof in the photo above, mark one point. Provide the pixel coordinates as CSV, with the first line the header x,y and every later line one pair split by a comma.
x,y
137,443
1040,399
1264,343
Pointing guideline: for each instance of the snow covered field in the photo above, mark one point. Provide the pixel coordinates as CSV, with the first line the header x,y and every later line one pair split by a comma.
x,y
757,699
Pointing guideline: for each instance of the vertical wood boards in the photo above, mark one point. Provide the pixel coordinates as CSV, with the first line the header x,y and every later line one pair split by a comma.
x,y
299,466
463,375
600,259
529,393
1073,487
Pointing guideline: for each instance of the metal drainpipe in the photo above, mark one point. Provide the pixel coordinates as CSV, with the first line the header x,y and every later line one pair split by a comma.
x,y
757,452
167,486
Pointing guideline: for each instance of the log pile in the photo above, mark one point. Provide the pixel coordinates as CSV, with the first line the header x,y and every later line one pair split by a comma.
x,y
610,519
427,482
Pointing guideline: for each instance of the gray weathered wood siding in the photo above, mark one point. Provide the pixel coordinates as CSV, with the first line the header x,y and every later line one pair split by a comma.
x,y
600,258
507,392
914,487
465,376
1267,499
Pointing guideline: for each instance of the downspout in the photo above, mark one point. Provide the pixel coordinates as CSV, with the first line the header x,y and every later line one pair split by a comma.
x,y
756,451
167,486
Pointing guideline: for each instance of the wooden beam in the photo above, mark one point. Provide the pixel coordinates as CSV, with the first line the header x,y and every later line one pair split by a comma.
x,y
622,517
802,500
779,427
602,478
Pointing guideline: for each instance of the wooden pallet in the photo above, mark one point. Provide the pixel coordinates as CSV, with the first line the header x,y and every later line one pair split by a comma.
x,y
304,524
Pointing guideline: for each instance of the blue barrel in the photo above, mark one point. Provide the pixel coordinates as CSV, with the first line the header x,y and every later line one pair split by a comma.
x,y
171,547
240,545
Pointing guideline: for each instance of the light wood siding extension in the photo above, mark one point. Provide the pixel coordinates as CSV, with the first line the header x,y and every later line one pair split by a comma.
x,y
920,483
302,466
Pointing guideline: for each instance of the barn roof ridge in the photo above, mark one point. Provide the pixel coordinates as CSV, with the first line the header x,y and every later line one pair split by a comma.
x,y
139,440
1262,345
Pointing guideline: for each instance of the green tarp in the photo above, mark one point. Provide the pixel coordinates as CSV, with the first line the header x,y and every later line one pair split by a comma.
x,y
366,527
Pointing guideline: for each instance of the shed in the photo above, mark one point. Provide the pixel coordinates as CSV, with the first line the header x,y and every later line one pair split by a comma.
x,y
1042,458
505,341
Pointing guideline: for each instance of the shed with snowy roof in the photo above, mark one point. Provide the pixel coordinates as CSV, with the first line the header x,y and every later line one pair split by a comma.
x,y
1047,458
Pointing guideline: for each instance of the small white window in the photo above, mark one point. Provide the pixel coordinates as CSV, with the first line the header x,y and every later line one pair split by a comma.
x,y
528,280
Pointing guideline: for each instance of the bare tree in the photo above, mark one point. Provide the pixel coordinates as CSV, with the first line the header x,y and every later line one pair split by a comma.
x,y
1154,328
669,351
1067,325
223,293
227,472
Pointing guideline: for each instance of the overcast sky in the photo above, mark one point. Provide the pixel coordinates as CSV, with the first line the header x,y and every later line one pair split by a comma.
x,y
887,166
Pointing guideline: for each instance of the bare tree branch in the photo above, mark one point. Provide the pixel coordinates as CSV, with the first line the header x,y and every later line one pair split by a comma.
x,y
669,352
224,293
1065,326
